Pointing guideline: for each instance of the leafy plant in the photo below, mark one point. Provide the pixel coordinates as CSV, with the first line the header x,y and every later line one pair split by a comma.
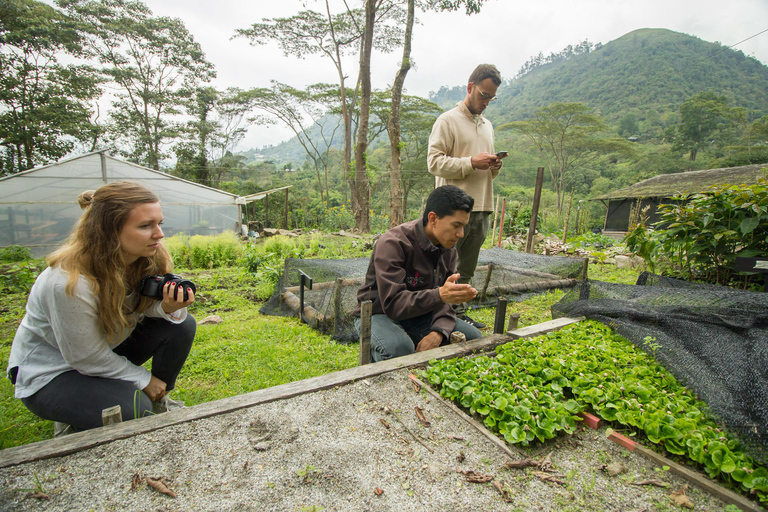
x,y
698,237
535,387
18,277
15,253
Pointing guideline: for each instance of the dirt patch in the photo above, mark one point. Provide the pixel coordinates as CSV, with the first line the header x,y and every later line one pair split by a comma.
x,y
362,446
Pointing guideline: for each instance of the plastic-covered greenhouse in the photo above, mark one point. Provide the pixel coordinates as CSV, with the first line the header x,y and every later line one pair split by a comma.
x,y
38,207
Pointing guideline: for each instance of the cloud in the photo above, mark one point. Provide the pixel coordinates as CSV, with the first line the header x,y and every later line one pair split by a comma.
x,y
447,46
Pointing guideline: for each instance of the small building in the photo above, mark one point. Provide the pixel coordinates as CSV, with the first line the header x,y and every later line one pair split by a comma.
x,y
38,207
659,189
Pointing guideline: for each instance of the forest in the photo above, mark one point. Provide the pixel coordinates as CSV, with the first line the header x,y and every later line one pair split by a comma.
x,y
596,116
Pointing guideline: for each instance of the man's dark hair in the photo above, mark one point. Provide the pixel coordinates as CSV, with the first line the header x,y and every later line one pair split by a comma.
x,y
445,200
484,71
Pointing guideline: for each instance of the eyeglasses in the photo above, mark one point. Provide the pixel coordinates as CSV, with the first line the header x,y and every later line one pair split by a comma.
x,y
484,95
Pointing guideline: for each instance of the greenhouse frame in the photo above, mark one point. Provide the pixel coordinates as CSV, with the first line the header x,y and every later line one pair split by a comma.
x,y
38,207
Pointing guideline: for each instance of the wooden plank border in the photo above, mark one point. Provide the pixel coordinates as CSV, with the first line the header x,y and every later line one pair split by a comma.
x,y
695,478
73,443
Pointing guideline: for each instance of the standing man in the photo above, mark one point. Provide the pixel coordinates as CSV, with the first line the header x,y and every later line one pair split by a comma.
x,y
411,280
461,153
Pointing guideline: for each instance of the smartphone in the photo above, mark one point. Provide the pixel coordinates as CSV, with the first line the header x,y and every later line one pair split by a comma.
x,y
502,154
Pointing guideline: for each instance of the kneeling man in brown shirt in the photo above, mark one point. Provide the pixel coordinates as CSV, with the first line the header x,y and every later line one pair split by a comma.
x,y
412,280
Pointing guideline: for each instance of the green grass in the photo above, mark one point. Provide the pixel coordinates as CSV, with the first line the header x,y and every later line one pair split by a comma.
x,y
246,352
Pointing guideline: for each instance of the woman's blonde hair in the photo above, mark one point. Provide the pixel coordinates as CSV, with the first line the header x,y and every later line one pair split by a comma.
x,y
93,250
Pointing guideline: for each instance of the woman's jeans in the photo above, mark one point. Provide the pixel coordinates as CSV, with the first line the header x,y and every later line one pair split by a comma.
x,y
78,399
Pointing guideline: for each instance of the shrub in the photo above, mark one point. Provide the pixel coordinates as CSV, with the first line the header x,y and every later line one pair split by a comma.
x,y
700,236
18,277
15,253
198,251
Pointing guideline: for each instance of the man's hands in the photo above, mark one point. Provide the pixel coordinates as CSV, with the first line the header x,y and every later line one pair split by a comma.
x,y
454,293
430,341
486,161
173,298
155,390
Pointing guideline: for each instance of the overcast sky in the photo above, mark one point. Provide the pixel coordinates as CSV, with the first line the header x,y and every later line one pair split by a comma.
x,y
447,46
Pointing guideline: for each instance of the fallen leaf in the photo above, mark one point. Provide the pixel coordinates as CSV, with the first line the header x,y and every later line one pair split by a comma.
x,y
657,483
422,417
479,479
378,491
471,476
39,495
455,438
506,495
159,485
546,477
135,481
460,457
522,463
681,499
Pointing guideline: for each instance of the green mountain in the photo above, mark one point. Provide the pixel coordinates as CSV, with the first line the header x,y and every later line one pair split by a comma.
x,y
648,72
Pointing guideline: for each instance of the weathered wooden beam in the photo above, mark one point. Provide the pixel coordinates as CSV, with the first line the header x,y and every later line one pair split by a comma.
x,y
502,445
366,307
697,479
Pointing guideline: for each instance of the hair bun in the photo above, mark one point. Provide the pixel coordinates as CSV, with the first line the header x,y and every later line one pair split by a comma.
x,y
85,199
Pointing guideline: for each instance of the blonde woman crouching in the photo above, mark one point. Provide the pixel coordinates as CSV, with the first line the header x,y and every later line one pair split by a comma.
x,y
87,331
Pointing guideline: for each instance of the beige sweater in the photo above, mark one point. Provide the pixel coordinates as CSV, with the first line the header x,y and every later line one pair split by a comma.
x,y
456,137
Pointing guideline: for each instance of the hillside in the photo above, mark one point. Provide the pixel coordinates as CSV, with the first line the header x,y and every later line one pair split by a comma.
x,y
648,70
647,73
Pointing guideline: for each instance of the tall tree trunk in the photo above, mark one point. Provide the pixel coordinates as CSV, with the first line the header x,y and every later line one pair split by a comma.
x,y
362,186
396,208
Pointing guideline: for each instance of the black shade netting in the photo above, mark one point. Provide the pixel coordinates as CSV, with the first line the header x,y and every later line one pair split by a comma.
x,y
713,339
328,306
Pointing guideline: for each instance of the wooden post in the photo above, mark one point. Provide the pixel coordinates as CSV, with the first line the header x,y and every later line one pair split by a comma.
x,y
501,221
501,311
568,216
584,270
495,215
338,287
487,282
266,211
111,415
535,209
285,211
366,307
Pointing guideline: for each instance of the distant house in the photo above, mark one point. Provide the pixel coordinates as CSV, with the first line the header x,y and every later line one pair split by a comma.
x,y
659,189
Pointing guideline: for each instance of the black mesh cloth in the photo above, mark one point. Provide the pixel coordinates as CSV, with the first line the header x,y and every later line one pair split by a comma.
x,y
713,339
335,283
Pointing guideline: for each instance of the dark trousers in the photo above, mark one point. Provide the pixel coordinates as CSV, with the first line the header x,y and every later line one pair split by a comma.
x,y
390,338
78,399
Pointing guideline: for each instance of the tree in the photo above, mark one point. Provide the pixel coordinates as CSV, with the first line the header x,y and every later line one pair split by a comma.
x,y
305,113
700,116
44,103
154,61
332,36
397,201
217,125
567,137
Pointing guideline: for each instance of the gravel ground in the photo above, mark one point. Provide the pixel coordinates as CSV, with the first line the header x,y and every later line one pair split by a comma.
x,y
331,450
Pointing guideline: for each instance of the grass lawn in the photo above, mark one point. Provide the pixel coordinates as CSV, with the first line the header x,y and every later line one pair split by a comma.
x,y
247,351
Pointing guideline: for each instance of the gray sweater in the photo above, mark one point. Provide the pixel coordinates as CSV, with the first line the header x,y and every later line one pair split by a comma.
x,y
60,332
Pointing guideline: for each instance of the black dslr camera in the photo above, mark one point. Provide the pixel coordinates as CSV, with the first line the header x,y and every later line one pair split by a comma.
x,y
152,286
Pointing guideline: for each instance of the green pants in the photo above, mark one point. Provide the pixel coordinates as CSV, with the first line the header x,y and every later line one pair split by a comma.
x,y
469,246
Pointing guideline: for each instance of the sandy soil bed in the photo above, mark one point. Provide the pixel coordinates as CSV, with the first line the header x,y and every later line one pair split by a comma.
x,y
354,447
